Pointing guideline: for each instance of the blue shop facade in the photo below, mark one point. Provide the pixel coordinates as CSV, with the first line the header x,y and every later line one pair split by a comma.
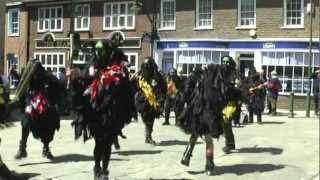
x,y
289,58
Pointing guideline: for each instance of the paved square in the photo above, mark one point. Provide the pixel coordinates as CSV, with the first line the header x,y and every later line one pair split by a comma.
x,y
281,148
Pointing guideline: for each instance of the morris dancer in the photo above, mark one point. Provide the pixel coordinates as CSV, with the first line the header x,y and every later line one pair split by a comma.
x,y
150,96
209,107
39,105
101,97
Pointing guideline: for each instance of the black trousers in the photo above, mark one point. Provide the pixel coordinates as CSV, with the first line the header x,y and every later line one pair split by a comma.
x,y
102,151
228,134
316,103
259,116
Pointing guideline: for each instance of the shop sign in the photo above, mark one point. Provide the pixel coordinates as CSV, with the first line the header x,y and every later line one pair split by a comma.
x,y
52,44
269,45
183,45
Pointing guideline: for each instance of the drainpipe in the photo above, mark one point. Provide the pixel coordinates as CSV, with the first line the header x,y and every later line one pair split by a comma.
x,y
28,34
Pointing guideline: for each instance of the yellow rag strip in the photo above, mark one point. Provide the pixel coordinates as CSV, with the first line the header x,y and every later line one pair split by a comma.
x,y
229,110
148,92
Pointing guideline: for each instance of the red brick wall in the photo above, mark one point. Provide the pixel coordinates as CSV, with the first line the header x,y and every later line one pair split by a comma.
x,y
269,20
17,45
142,24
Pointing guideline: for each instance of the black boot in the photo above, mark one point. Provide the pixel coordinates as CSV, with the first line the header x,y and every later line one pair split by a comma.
x,y
149,140
187,154
46,152
259,119
209,167
227,149
166,119
250,117
5,173
116,143
104,175
22,153
148,132
97,172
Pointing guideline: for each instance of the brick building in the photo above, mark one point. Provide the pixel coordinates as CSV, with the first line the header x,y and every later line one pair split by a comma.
x,y
2,31
43,29
269,35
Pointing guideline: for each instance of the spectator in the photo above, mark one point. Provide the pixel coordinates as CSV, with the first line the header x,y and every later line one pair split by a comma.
x,y
273,86
316,83
64,98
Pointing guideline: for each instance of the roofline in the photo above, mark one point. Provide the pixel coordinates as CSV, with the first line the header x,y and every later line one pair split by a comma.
x,y
54,2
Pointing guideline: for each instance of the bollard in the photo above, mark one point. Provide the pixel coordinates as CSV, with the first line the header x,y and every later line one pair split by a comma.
x,y
291,107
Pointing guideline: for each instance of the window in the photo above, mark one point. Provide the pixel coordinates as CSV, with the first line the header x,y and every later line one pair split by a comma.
x,y
82,19
247,13
50,19
188,59
13,22
293,13
82,58
167,61
204,14
292,69
118,16
133,61
168,14
13,64
54,62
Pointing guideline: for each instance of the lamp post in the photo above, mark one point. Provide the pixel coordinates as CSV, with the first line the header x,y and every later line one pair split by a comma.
x,y
310,11
153,35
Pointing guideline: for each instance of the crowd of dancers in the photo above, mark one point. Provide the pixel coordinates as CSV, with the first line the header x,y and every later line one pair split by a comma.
x,y
105,97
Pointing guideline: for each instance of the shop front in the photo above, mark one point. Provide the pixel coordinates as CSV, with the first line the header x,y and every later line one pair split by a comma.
x,y
290,59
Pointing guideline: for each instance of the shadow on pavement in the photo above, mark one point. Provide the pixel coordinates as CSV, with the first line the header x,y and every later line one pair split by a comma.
x,y
241,169
20,176
174,142
128,153
69,158
171,179
273,122
4,125
239,126
278,114
271,150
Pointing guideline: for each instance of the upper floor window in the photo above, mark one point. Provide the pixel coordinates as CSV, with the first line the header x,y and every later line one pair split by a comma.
x,y
168,14
247,13
293,13
82,19
133,60
50,19
204,13
118,15
13,22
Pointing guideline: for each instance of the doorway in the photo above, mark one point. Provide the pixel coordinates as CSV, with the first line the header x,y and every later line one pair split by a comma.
x,y
246,63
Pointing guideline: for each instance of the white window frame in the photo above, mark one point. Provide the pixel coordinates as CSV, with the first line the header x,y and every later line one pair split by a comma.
x,y
50,19
239,17
51,66
285,23
118,27
162,27
136,56
10,11
197,56
198,17
273,63
9,65
82,58
82,28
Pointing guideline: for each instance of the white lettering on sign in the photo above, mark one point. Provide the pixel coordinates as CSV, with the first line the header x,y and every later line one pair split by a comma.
x,y
183,45
269,45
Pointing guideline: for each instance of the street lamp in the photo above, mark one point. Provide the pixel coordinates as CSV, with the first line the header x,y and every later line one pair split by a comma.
x,y
153,35
310,12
